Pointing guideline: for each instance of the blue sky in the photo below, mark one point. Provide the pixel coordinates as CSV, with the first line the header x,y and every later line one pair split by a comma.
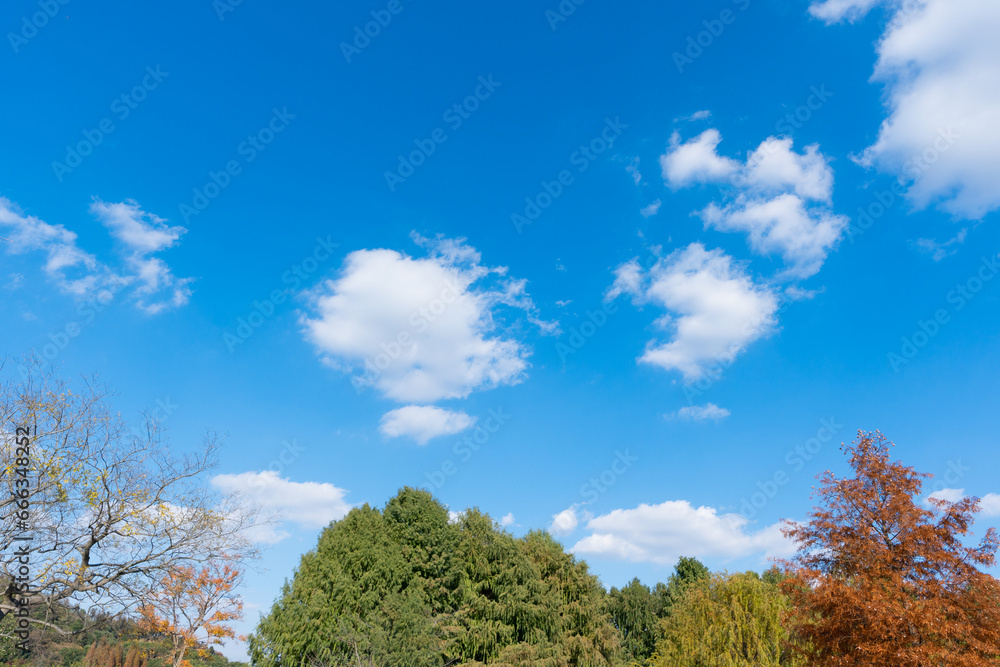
x,y
685,247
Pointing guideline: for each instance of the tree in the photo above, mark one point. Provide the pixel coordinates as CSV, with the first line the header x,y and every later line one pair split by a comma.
x,y
880,580
110,510
407,587
193,608
377,589
636,612
687,572
726,621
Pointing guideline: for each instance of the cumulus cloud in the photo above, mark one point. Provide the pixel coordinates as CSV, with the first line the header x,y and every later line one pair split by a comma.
x,y
703,412
803,237
79,273
663,533
696,160
422,329
775,166
989,505
716,309
937,59
948,495
423,422
781,199
564,522
307,504
507,520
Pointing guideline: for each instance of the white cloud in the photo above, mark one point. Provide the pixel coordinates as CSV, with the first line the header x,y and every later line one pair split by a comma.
x,y
421,330
948,495
82,275
632,168
628,280
507,520
990,504
840,10
775,166
143,234
651,210
564,522
782,200
140,231
703,412
696,160
783,225
938,61
717,309
423,422
307,504
73,270
663,533
938,250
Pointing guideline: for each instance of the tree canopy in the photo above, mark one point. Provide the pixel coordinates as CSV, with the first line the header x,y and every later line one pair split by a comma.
x,y
880,579
406,586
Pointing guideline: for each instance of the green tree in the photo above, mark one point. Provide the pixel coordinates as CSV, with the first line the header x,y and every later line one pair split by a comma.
x,y
406,586
636,611
586,636
726,621
688,571
357,595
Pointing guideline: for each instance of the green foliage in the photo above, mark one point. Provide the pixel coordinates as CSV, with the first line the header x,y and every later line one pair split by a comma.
x,y
726,621
688,571
406,587
636,612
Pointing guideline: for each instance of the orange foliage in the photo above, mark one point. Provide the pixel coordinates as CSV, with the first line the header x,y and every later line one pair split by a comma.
x,y
193,607
880,580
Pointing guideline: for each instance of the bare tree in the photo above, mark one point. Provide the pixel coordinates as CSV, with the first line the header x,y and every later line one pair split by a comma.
x,y
109,511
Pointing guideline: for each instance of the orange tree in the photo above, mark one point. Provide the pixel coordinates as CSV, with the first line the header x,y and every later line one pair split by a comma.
x,y
193,607
880,579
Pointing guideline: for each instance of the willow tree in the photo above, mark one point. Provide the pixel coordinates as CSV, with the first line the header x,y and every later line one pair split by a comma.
x,y
727,621
102,512
880,579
